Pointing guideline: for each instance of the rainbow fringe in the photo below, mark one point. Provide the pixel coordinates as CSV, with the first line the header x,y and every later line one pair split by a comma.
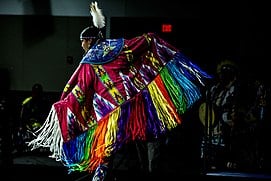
x,y
161,103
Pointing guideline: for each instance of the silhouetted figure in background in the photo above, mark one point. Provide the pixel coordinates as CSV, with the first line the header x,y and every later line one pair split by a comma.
x,y
222,105
264,125
34,110
258,116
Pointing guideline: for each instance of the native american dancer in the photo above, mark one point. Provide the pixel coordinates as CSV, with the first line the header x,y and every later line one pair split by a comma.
x,y
123,90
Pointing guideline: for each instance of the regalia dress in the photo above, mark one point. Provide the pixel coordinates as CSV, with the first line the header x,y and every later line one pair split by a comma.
x,y
123,90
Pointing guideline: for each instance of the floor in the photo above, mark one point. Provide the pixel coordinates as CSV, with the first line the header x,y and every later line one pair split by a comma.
x,y
32,168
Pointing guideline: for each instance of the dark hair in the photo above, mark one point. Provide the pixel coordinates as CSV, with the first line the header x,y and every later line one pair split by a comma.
x,y
230,69
37,87
89,32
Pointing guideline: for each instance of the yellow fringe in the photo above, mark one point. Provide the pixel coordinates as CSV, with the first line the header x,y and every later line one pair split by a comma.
x,y
165,112
112,129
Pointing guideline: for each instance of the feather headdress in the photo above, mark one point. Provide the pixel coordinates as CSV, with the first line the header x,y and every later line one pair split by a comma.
x,y
97,15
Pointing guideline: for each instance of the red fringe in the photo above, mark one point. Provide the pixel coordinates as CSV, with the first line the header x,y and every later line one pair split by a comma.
x,y
137,125
98,146
158,80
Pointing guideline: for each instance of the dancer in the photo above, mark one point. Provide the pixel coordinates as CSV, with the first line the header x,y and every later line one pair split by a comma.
x,y
123,90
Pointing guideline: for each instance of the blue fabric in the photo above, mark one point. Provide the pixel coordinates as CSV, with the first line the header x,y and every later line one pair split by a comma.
x,y
104,51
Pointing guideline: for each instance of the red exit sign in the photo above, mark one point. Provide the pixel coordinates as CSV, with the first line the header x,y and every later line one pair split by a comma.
x,y
166,28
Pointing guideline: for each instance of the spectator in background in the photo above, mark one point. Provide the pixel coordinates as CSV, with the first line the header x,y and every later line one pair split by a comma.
x,y
258,117
222,103
33,113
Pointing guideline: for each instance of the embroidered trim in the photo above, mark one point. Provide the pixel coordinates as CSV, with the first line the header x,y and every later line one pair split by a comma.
x,y
67,88
136,77
108,83
79,94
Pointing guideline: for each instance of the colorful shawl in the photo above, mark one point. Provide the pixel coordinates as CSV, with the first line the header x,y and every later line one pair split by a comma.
x,y
123,90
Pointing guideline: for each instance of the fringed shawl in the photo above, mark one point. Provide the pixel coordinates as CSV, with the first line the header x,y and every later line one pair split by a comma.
x,y
123,90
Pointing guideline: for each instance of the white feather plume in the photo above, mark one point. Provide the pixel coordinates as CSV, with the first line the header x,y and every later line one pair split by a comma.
x,y
97,15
